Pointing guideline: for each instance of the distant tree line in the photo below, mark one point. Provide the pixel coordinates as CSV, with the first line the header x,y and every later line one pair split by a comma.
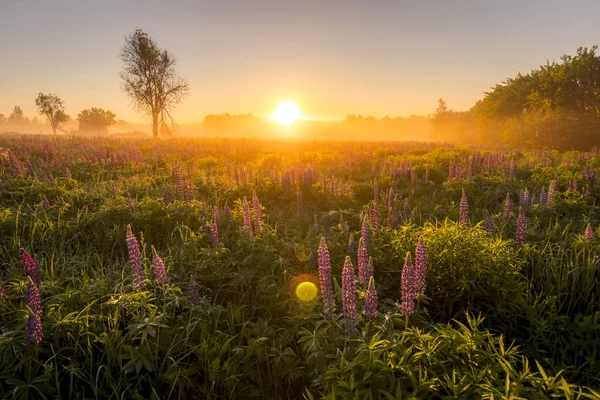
x,y
554,106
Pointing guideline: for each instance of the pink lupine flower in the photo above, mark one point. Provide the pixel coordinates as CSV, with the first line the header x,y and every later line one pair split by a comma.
x,y
374,216
363,261
365,229
135,259
247,223
349,295
325,280
375,191
214,233
589,234
390,219
409,289
158,265
507,208
521,229
464,209
258,225
31,268
406,210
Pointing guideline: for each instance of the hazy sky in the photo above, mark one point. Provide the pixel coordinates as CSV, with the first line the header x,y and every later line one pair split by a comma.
x,y
331,57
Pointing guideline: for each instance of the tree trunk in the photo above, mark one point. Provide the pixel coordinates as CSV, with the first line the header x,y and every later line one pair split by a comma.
x,y
155,125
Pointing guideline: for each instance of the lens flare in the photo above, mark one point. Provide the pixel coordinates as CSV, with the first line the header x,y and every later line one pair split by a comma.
x,y
304,288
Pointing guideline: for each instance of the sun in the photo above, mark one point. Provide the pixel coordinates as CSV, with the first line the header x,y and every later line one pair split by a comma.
x,y
286,113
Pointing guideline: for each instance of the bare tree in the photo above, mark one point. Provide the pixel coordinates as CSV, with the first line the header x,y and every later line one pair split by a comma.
x,y
150,79
53,108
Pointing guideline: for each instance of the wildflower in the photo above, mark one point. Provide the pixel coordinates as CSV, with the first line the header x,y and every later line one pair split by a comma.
x,y
420,267
409,292
299,202
349,295
589,234
391,195
194,291
371,300
365,229
406,210
258,226
375,191
489,224
34,329
464,209
521,228
45,202
551,192
32,298
374,216
214,233
2,290
542,197
137,270
325,280
30,268
247,224
390,219
159,268
351,243
363,260
507,208
216,215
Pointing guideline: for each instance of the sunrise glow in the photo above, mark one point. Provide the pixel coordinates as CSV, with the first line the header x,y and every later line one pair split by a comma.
x,y
286,113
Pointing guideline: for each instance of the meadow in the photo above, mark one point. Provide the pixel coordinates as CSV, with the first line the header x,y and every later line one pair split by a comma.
x,y
236,268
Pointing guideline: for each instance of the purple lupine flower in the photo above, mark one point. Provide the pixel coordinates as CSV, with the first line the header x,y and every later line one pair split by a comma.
x,y
258,225
375,191
390,219
365,229
406,210
216,215
135,259
351,243
464,209
247,224
214,233
521,228
45,202
507,208
587,191
542,197
32,298
31,268
589,234
551,192
325,280
194,291
159,268
34,329
299,202
409,290
374,216
420,267
413,176
2,290
371,300
391,195
349,295
470,172
363,261
489,224
574,184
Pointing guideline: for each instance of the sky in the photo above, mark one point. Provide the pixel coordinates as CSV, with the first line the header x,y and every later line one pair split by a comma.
x,y
332,58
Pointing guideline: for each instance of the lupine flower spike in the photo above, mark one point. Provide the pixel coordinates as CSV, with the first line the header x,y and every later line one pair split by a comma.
x,y
371,300
325,279
34,323
159,268
409,292
589,234
521,228
489,224
507,208
30,267
420,267
363,262
349,295
135,259
2,290
194,291
464,209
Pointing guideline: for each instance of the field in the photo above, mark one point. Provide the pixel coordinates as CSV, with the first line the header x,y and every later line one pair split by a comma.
x,y
187,268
